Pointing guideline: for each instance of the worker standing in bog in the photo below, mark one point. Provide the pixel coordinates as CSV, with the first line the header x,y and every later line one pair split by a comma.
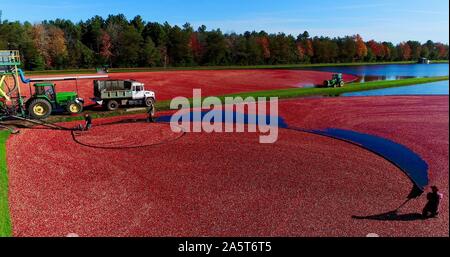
x,y
434,198
88,120
151,113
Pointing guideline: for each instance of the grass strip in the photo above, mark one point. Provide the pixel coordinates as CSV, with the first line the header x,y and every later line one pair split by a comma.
x,y
352,87
5,220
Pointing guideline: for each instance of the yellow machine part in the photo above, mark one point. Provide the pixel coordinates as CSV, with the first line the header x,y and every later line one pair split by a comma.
x,y
3,93
10,79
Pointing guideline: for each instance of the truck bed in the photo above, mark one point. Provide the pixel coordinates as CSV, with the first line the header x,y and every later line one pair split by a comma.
x,y
118,94
107,89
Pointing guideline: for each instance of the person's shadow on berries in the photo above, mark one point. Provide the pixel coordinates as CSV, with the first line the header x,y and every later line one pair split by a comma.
x,y
391,216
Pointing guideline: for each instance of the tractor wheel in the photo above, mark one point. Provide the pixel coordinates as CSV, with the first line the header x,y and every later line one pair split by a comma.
x,y
39,109
149,102
112,105
342,84
74,108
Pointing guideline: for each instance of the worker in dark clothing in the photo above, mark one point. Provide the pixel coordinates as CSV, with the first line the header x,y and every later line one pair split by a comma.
x,y
88,124
431,210
151,113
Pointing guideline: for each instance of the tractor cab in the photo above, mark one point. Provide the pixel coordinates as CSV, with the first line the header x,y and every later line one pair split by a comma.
x,y
46,90
336,81
45,100
103,69
337,76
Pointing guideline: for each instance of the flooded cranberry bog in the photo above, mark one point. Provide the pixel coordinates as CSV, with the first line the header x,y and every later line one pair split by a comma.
x,y
126,177
170,84
229,184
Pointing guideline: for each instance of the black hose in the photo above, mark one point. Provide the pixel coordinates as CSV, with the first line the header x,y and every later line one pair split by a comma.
x,y
163,142
43,123
10,129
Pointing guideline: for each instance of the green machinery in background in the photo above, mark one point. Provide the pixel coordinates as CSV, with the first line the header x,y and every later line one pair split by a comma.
x,y
336,81
45,99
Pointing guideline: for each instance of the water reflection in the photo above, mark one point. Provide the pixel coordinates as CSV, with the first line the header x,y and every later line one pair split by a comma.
x,y
435,88
389,71
377,78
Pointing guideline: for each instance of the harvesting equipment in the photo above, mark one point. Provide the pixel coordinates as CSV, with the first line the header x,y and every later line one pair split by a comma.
x,y
336,81
11,100
43,101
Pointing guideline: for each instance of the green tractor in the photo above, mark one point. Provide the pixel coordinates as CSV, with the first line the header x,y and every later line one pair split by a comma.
x,y
336,81
45,100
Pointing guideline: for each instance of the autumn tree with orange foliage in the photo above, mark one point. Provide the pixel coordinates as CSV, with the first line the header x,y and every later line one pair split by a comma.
x,y
57,45
51,44
40,39
106,47
196,47
387,51
405,51
378,50
305,47
361,48
263,41
442,50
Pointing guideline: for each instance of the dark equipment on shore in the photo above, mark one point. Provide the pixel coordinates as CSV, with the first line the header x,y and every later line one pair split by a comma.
x,y
103,69
423,61
336,81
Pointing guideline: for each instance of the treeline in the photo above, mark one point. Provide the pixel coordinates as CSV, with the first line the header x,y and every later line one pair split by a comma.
x,y
118,42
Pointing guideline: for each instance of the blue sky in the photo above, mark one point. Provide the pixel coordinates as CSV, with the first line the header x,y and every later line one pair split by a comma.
x,y
390,20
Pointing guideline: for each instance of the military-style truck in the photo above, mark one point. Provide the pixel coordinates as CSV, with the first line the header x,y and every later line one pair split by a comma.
x,y
112,94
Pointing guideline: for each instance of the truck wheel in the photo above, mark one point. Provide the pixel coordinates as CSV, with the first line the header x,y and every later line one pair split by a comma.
x,y
149,102
39,109
74,108
112,105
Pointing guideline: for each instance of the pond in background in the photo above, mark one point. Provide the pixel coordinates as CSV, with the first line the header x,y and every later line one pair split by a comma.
x,y
390,71
435,88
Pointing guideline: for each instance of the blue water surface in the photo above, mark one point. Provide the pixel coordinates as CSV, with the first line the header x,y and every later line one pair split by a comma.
x,y
435,88
390,71
226,116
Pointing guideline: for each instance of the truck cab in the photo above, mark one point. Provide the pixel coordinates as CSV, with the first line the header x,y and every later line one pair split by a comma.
x,y
139,92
